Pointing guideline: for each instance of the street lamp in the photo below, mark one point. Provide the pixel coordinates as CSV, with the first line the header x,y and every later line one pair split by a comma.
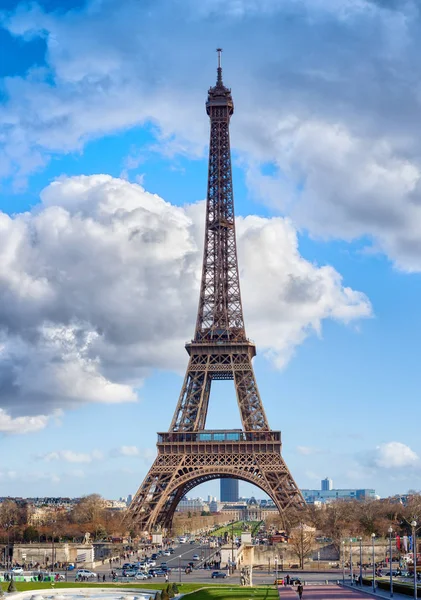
x,y
373,535
276,567
343,562
351,573
232,547
361,560
414,548
390,530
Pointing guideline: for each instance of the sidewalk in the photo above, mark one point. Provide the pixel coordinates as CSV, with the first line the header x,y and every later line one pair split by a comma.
x,y
336,592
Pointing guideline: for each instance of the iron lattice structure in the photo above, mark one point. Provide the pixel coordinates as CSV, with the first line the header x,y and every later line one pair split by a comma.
x,y
188,454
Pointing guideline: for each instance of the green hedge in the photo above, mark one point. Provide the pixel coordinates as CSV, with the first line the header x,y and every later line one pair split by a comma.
x,y
399,587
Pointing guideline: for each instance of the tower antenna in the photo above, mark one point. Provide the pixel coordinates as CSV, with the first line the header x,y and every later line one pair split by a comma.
x,y
219,78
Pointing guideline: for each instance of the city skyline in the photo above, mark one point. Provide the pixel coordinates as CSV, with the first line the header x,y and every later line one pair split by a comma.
x,y
103,179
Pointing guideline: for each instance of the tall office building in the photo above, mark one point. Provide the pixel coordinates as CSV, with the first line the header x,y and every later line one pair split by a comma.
x,y
229,490
327,484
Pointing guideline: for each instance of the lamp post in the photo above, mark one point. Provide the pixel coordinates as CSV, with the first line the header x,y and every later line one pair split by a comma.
x,y
343,562
390,530
373,535
276,567
232,548
361,560
414,548
351,573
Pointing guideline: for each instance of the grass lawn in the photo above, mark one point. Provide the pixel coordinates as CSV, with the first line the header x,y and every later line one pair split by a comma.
x,y
239,527
23,586
223,592
236,593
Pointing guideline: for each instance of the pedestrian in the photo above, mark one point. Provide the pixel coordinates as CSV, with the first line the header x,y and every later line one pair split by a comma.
x,y
166,577
300,590
288,579
103,578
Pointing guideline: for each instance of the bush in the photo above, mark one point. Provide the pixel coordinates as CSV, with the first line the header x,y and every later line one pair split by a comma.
x,y
164,595
170,591
12,587
406,589
158,596
175,588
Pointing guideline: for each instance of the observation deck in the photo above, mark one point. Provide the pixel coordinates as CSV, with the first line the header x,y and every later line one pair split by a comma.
x,y
219,441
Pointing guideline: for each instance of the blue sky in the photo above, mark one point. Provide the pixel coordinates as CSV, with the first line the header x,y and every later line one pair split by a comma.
x,y
103,172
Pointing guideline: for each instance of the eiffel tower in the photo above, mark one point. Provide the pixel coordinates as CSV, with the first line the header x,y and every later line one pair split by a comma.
x,y
189,454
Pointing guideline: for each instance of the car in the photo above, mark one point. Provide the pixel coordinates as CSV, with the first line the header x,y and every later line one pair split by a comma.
x,y
126,566
171,550
218,575
192,542
151,563
85,573
157,572
166,553
196,557
163,565
279,581
154,556
394,574
140,575
16,571
129,572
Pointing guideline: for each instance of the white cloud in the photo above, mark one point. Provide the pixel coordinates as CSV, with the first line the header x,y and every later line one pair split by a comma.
x,y
307,450
394,455
26,424
72,457
126,451
99,284
339,128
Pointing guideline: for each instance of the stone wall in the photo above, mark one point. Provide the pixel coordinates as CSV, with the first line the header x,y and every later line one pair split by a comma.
x,y
81,554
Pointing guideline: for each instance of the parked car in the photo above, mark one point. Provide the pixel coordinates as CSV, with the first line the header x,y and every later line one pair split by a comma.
x,y
151,563
85,573
218,575
164,565
166,553
196,557
17,570
154,556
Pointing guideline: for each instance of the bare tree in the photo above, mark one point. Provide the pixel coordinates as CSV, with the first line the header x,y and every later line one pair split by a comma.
x,y
301,541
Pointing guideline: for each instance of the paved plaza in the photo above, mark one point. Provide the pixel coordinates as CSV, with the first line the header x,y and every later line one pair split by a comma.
x,y
333,592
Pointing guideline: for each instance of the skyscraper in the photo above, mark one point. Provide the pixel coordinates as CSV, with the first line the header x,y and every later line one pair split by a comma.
x,y
327,484
229,490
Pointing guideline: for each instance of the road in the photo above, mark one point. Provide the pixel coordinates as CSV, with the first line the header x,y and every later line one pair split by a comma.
x,y
183,554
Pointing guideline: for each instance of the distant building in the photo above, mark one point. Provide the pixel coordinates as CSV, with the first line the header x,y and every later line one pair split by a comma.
x,y
129,499
192,505
327,484
229,490
312,496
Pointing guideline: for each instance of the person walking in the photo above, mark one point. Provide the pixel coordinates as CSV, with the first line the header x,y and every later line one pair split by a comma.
x,y
300,590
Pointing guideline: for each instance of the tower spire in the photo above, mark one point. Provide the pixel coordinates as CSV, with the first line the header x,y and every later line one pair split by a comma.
x,y
219,70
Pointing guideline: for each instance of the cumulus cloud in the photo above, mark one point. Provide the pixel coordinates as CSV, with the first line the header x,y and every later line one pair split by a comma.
x,y
26,424
336,128
72,457
99,284
393,455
